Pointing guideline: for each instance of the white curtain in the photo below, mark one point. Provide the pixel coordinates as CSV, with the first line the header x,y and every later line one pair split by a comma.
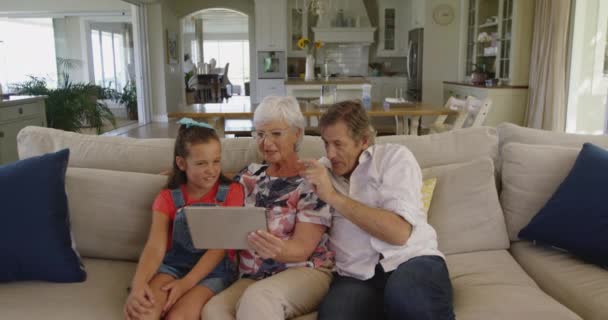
x,y
548,61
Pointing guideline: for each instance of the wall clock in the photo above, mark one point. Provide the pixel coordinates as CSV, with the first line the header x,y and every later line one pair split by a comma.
x,y
443,14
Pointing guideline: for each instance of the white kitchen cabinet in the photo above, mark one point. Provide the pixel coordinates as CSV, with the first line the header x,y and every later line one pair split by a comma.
x,y
14,116
417,13
508,103
383,87
269,87
297,23
271,25
393,27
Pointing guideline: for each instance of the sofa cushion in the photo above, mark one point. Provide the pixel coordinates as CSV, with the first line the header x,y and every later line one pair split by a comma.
x,y
111,211
530,175
508,132
491,285
35,228
581,286
449,147
465,210
575,218
101,296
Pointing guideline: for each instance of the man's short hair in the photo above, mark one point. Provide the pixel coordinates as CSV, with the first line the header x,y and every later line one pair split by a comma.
x,y
353,115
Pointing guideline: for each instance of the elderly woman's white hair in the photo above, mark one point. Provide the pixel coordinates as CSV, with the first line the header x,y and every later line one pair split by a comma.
x,y
286,109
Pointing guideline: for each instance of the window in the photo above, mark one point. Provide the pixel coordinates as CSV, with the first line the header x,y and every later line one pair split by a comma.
x,y
21,58
109,46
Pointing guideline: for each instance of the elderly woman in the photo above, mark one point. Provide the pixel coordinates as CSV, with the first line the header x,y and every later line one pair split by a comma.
x,y
288,271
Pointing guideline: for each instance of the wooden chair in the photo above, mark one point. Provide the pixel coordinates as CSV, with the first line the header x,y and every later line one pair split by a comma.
x,y
225,84
473,113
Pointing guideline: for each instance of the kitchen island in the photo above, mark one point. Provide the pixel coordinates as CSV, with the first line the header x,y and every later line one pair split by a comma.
x,y
347,88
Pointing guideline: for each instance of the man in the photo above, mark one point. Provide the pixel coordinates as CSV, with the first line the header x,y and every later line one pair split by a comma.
x,y
387,261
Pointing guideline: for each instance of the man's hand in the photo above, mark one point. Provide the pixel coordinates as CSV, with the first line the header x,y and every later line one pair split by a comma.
x,y
266,244
140,302
176,289
316,174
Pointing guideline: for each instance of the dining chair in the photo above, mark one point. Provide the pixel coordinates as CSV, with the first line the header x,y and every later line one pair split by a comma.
x,y
472,113
206,87
225,84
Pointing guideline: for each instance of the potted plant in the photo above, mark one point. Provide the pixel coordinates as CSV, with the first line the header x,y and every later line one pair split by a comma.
x,y
128,97
72,106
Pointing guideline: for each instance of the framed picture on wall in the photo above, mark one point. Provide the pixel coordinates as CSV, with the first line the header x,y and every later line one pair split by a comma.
x,y
172,57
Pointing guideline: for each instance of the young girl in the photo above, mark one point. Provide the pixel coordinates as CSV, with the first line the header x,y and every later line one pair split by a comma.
x,y
173,279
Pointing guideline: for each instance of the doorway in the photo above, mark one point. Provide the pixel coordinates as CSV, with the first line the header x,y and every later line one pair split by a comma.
x,y
216,45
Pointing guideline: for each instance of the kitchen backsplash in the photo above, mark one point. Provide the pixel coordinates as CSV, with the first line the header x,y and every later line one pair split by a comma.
x,y
345,59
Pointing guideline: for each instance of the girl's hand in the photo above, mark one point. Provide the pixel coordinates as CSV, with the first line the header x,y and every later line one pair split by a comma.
x,y
176,289
139,302
266,245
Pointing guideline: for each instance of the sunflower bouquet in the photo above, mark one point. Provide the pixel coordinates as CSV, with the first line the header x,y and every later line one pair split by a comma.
x,y
306,43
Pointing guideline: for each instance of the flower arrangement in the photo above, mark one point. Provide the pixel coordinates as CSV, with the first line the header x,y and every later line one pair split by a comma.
x,y
304,42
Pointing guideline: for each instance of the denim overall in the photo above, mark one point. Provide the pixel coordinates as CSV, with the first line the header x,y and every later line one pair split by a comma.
x,y
182,256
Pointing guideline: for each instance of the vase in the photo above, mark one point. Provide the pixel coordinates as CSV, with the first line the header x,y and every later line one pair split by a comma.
x,y
309,74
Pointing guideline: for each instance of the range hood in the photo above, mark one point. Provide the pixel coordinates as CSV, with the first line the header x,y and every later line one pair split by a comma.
x,y
347,24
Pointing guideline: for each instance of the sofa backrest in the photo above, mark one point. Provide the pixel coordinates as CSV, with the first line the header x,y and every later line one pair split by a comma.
x,y
155,155
508,132
112,182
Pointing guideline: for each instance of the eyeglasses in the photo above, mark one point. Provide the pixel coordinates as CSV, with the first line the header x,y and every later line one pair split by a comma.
x,y
274,135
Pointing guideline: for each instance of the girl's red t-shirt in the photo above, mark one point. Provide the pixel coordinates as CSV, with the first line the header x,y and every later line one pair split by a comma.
x,y
165,205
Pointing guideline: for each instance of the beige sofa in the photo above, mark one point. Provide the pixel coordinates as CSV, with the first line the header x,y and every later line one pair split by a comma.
x,y
112,181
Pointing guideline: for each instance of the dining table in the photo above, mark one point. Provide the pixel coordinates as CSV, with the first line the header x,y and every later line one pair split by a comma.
x,y
407,115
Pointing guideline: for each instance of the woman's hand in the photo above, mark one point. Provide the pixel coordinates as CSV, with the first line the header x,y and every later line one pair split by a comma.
x,y
176,289
266,245
140,302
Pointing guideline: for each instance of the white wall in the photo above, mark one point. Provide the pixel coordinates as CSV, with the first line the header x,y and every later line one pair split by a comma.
x,y
174,78
157,61
587,88
12,6
442,54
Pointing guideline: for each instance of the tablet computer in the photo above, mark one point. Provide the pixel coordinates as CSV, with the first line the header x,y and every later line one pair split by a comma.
x,y
223,227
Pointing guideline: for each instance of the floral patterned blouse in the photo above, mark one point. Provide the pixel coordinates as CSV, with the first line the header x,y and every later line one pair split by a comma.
x,y
287,201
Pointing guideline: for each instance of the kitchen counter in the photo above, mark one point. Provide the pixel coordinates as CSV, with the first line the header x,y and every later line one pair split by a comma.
x,y
482,86
337,81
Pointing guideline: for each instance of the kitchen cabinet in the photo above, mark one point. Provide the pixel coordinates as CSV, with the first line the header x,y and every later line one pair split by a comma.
x,y
393,27
269,87
383,87
505,52
15,115
271,25
298,19
418,13
509,103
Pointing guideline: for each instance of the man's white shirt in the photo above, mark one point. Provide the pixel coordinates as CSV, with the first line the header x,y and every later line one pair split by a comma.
x,y
387,177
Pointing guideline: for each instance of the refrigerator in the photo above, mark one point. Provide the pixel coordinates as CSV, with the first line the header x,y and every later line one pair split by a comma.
x,y
414,64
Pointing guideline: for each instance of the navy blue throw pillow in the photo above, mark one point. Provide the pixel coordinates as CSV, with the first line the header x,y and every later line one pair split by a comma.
x,y
35,238
576,216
